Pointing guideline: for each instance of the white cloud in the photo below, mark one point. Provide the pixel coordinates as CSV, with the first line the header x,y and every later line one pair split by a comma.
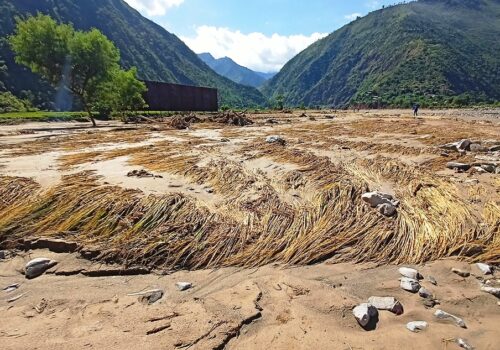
x,y
154,7
353,16
254,50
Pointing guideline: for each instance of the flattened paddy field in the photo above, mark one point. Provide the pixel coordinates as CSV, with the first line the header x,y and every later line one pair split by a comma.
x,y
248,219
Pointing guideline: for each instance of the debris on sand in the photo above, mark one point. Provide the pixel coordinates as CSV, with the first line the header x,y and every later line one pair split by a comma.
x,y
11,287
432,280
2,254
384,202
142,174
17,297
461,273
182,122
232,118
37,267
364,313
149,297
387,303
410,273
182,286
276,139
417,326
444,316
410,285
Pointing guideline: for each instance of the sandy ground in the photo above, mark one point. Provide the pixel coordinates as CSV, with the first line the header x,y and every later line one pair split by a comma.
x,y
269,307
274,306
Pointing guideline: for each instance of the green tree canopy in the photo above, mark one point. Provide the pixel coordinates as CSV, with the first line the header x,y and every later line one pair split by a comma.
x,y
86,62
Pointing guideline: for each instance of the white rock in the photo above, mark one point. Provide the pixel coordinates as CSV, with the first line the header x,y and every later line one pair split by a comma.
x,y
491,290
417,326
38,266
410,284
409,273
485,268
182,286
275,139
386,303
363,313
374,199
463,344
444,316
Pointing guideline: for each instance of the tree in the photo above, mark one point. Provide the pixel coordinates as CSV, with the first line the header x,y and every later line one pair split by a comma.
x,y
87,63
3,75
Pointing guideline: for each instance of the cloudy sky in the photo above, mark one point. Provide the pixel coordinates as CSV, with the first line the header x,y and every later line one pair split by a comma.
x,y
260,34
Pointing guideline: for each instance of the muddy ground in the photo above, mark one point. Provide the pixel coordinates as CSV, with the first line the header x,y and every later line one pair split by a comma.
x,y
277,241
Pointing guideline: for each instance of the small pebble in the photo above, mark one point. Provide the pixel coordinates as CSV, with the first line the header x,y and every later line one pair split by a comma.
x,y
461,273
182,286
417,326
432,280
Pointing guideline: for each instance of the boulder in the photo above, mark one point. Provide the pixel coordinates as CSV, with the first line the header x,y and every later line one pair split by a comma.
x,y
458,166
387,303
37,267
417,326
276,139
410,285
364,313
182,286
444,316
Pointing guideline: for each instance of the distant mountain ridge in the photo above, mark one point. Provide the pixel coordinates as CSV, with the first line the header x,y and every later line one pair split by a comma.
x,y
226,67
436,52
158,54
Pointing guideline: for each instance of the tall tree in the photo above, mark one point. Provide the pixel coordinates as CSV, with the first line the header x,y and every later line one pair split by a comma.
x,y
84,61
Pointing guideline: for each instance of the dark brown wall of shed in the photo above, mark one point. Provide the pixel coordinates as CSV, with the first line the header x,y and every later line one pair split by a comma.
x,y
174,97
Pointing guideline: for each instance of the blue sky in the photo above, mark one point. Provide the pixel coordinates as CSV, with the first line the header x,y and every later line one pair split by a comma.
x,y
260,34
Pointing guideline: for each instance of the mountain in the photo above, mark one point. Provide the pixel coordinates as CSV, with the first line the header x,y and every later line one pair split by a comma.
x,y
158,54
436,52
232,70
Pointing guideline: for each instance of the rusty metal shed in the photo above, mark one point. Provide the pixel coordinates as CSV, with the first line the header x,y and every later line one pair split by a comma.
x,y
174,97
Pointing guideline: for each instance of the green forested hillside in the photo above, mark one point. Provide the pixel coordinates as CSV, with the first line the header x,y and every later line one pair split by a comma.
x,y
158,54
436,52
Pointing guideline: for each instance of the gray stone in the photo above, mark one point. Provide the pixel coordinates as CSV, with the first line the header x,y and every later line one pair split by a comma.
x,y
2,255
478,170
387,303
424,293
444,316
410,285
11,287
182,286
364,313
374,199
388,210
152,296
37,267
495,148
417,326
458,166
